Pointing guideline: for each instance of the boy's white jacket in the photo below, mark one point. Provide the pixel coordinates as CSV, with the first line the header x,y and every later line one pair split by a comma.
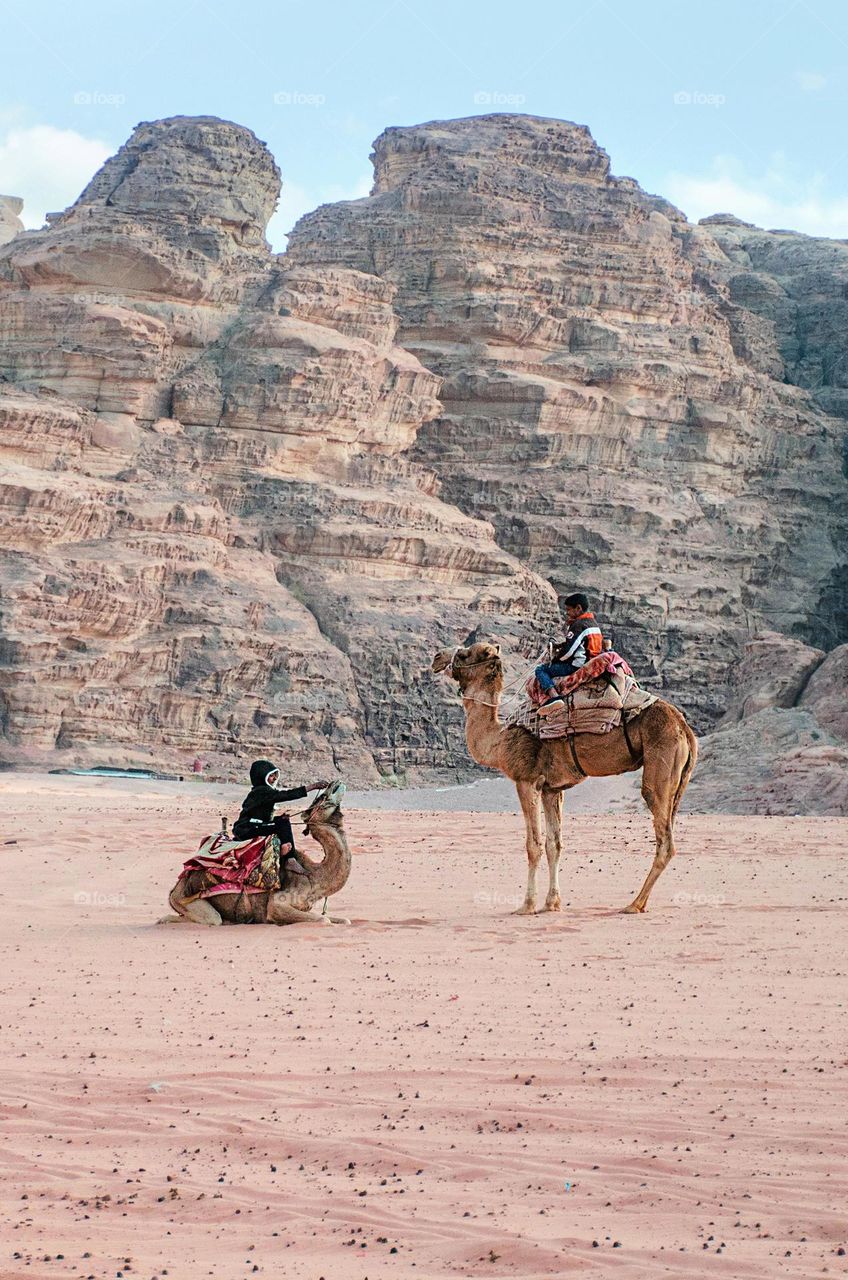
x,y
592,630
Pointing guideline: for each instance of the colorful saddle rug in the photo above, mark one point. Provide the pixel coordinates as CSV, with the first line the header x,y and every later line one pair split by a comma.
x,y
236,866
609,661
596,699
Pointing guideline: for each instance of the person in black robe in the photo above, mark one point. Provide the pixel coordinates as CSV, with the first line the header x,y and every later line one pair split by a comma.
x,y
257,811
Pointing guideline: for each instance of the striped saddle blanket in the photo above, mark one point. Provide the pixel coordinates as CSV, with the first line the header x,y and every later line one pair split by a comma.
x,y
235,866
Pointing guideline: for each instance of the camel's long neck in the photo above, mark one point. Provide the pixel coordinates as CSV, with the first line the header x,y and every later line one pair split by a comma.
x,y
331,874
483,729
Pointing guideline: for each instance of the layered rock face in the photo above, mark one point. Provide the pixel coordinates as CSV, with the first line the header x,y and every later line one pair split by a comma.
x,y
794,289
797,285
609,403
214,544
244,496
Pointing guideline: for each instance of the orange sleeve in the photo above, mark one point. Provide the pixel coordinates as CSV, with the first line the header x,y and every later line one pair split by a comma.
x,y
594,644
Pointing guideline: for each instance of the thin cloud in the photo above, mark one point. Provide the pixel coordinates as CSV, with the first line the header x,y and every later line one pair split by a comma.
x,y
773,199
47,167
809,81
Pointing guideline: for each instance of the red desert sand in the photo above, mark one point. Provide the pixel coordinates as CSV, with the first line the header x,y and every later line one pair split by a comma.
x,y
441,1089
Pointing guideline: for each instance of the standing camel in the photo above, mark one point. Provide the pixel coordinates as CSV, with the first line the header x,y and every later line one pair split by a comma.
x,y
293,903
660,743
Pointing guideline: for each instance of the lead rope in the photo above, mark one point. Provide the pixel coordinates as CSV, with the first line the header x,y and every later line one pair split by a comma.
x,y
300,814
509,693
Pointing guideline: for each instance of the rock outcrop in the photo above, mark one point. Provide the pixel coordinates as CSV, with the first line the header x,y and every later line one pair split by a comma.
x,y
10,223
244,496
773,672
782,748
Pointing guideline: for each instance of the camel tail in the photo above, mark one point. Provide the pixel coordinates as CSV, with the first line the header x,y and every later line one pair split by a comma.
x,y
686,772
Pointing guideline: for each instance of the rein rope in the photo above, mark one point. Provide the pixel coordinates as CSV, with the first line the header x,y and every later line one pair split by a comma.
x,y
478,663
522,676
508,690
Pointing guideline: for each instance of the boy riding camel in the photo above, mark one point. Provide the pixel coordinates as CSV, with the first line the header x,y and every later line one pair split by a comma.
x,y
583,640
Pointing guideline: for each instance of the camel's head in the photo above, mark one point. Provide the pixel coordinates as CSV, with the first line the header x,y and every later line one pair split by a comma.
x,y
326,808
478,666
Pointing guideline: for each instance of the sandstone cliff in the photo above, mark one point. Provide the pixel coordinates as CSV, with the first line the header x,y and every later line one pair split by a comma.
x,y
245,495
598,404
215,544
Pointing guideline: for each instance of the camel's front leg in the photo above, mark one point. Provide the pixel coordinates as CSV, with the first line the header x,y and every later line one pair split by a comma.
x,y
552,802
531,807
281,912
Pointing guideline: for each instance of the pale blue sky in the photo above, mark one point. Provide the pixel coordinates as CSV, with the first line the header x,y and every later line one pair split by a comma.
x,y
736,105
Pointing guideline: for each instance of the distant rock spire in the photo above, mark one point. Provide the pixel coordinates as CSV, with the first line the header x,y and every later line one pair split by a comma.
x,y
10,223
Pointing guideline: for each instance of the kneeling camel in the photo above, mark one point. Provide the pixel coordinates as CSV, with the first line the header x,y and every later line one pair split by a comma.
x,y
293,903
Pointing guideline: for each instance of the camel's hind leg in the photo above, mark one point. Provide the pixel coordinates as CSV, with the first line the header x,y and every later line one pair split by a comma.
x,y
552,802
200,911
531,807
664,778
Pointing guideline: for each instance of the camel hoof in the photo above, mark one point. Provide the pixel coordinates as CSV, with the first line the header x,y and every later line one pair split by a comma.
x,y
340,920
555,905
526,909
633,909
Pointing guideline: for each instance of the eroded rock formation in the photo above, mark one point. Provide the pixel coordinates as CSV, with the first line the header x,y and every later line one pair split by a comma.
x,y
245,495
215,543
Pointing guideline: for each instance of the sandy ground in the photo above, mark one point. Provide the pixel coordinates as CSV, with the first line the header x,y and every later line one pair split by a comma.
x,y
441,1089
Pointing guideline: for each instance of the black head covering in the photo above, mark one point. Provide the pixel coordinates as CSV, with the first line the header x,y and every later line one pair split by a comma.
x,y
259,771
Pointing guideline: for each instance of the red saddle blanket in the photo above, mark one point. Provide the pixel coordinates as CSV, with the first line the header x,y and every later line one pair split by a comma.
x,y
237,866
607,661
